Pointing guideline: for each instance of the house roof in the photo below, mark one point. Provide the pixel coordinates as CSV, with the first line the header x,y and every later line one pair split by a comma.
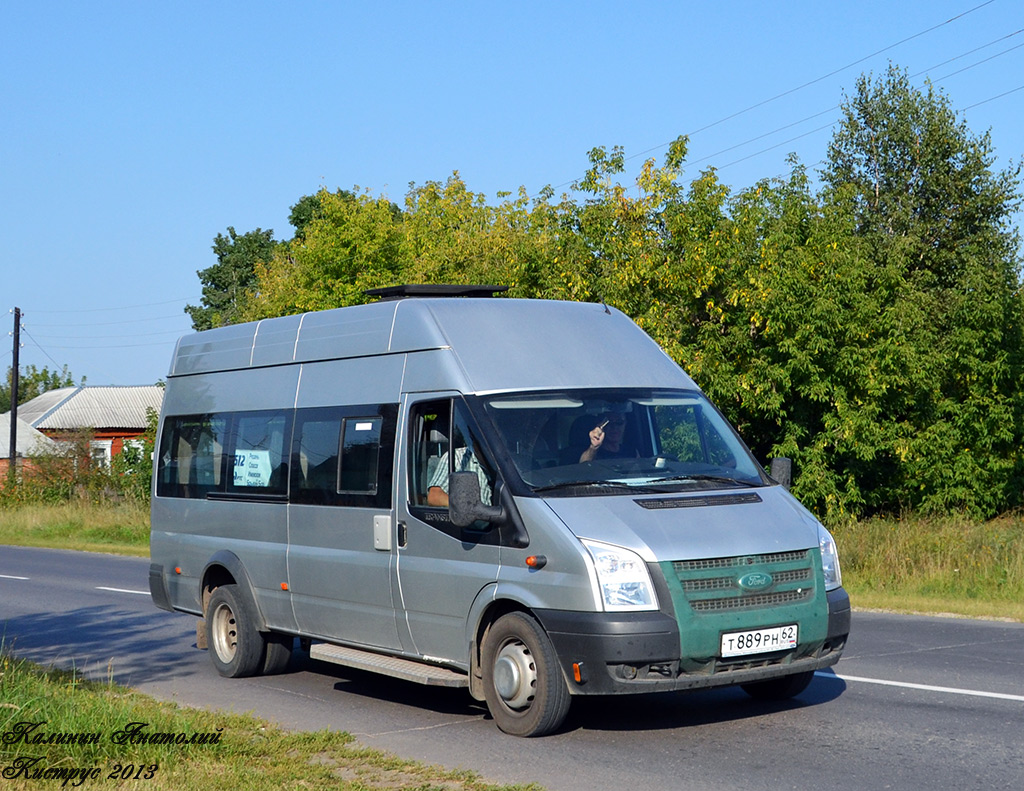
x,y
92,407
29,440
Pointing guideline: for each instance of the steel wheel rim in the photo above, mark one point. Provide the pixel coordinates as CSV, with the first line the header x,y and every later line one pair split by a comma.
x,y
225,633
515,675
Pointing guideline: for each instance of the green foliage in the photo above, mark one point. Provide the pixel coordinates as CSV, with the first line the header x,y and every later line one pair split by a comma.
x,y
931,222
870,329
348,244
131,470
226,282
34,382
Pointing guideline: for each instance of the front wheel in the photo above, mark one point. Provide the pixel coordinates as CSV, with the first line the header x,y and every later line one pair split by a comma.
x,y
523,685
779,688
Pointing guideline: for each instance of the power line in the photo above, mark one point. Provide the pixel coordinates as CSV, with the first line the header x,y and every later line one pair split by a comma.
x,y
993,98
40,347
836,107
121,307
114,323
117,335
818,79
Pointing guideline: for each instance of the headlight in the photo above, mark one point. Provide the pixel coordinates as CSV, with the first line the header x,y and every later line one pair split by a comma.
x,y
829,559
622,578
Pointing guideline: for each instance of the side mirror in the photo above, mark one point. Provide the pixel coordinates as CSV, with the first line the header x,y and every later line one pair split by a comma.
x,y
464,504
782,471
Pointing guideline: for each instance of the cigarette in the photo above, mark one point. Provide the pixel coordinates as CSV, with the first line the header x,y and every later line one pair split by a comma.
x,y
604,424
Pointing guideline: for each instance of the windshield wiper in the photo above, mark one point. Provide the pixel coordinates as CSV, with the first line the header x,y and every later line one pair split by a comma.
x,y
698,476
590,484
581,485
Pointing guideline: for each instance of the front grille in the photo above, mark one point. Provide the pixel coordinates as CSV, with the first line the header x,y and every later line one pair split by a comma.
x,y
752,602
738,562
730,583
747,582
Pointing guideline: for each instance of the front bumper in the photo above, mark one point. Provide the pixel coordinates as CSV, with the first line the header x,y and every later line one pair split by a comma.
x,y
629,653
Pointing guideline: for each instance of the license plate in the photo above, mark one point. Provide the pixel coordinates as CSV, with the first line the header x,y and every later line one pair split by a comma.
x,y
759,641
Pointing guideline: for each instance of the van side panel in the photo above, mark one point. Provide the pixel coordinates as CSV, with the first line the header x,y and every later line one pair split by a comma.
x,y
340,585
188,531
363,380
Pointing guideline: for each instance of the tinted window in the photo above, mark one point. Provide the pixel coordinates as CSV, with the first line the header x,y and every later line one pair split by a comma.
x,y
191,461
259,461
344,456
360,447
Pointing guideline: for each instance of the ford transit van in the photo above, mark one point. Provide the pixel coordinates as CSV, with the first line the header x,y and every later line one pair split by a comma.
x,y
525,498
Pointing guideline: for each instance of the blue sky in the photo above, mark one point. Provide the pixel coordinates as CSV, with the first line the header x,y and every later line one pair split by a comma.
x,y
132,133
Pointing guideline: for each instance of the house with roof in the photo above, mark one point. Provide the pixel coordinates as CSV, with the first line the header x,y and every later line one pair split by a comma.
x,y
29,441
114,415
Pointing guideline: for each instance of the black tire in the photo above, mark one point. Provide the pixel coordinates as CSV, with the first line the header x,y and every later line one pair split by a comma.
x,y
236,648
779,688
525,690
278,652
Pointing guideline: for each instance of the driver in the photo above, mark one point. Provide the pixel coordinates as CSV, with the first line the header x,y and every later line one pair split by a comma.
x,y
606,438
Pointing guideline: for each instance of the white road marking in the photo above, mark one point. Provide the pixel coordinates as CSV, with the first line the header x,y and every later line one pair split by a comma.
x,y
122,590
11,577
925,687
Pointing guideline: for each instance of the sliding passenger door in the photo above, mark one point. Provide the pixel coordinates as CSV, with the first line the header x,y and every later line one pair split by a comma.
x,y
341,492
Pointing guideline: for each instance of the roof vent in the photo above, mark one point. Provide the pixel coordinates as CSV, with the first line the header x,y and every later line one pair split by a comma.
x,y
433,290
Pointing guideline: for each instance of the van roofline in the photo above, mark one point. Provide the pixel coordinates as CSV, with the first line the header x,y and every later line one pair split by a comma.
x,y
487,345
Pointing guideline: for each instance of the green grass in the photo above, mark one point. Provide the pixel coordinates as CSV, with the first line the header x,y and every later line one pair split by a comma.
x,y
248,753
119,528
935,565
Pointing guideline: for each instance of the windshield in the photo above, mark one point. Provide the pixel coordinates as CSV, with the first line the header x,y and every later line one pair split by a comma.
x,y
581,442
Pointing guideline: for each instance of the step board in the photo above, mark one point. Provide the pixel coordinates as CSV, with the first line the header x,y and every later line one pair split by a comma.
x,y
418,672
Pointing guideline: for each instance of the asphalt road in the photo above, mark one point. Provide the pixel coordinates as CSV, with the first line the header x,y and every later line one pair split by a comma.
x,y
916,702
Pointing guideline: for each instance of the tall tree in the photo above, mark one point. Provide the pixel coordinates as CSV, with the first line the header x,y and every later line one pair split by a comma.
x,y
933,221
225,283
348,244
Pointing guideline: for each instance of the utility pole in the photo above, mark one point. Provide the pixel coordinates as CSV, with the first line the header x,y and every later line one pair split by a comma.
x,y
13,460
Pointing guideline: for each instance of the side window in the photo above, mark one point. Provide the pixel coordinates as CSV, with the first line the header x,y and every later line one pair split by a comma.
x,y
360,447
431,422
344,456
317,439
444,442
259,463
191,460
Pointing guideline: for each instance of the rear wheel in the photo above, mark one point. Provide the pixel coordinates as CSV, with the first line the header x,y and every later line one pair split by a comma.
x,y
779,688
235,646
523,685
